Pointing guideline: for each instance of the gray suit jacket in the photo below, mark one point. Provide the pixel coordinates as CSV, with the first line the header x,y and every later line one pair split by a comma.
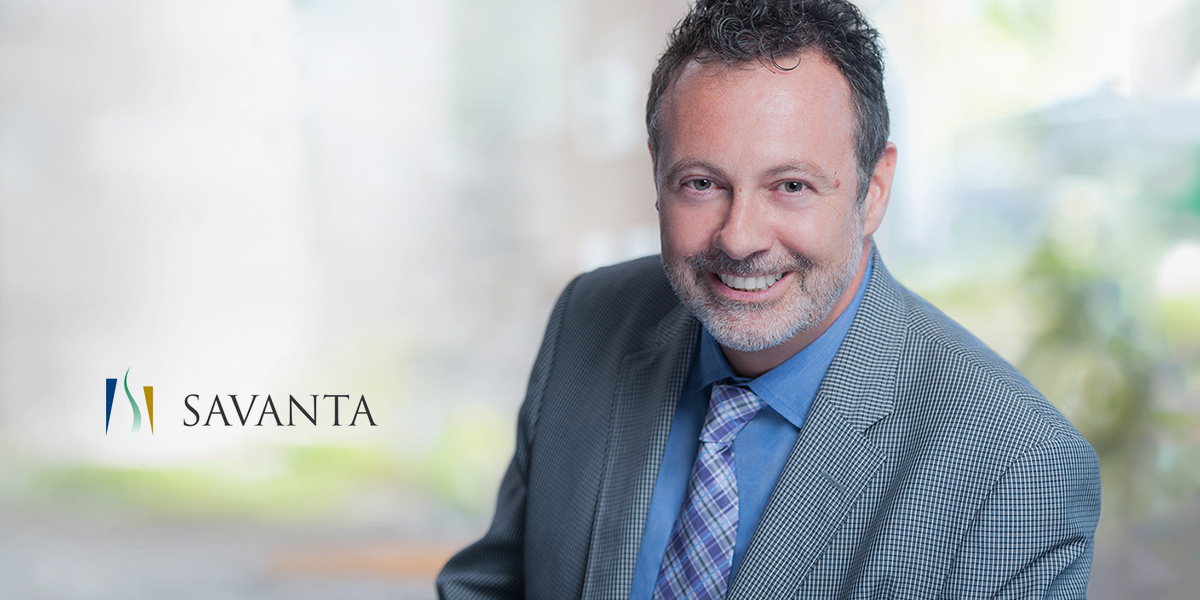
x,y
927,466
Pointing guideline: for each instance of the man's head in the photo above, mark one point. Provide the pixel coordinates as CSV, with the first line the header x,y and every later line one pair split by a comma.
x,y
775,32
763,202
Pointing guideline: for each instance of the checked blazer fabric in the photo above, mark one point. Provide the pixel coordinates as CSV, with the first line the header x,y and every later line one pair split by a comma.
x,y
699,553
927,467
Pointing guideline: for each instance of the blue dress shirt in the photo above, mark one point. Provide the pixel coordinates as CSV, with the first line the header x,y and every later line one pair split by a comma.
x,y
760,449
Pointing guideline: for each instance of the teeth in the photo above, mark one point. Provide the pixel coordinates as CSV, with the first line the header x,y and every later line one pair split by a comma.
x,y
750,284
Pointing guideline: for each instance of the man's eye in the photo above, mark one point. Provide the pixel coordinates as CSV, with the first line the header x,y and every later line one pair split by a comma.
x,y
701,185
793,187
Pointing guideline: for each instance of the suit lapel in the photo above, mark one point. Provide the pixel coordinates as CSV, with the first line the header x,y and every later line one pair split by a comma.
x,y
648,390
829,466
832,461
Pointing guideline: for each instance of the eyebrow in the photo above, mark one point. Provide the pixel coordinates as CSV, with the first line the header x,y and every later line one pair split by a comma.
x,y
674,170
803,167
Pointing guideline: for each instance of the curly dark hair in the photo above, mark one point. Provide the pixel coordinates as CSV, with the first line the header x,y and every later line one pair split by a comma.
x,y
737,32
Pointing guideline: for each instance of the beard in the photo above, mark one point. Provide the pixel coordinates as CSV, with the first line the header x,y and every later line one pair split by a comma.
x,y
751,327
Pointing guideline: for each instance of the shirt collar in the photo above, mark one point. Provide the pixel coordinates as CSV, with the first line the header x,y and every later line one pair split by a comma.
x,y
790,387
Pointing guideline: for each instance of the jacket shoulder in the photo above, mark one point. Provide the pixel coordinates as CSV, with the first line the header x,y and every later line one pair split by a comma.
x,y
967,387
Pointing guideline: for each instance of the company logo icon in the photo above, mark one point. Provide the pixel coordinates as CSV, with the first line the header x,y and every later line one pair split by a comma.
x,y
110,392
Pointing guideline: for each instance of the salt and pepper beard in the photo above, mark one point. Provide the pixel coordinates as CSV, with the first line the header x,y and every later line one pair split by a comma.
x,y
753,327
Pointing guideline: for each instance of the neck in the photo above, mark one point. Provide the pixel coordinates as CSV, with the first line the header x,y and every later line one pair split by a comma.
x,y
753,364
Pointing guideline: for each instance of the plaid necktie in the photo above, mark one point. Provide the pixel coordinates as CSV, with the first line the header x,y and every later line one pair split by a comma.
x,y
697,560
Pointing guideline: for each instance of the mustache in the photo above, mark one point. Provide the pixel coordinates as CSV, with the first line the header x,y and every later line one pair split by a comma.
x,y
755,264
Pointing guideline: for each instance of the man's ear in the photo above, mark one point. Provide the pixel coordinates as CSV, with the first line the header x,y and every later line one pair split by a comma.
x,y
653,169
879,191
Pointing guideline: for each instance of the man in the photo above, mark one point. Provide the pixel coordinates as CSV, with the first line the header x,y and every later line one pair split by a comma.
x,y
826,433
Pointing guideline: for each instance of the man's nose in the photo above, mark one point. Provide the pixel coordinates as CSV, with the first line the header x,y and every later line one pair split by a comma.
x,y
746,229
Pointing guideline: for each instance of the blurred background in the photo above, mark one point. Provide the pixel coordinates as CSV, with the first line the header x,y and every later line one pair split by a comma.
x,y
382,198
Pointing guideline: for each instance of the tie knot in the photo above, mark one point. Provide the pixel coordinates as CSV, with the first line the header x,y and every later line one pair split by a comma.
x,y
730,408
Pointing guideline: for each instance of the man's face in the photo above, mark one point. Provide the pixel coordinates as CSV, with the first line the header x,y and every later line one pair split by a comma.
x,y
757,188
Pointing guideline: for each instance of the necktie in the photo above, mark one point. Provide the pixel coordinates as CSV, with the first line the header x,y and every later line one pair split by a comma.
x,y
697,560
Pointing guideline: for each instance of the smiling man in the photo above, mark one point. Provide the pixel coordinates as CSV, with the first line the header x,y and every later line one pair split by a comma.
x,y
765,412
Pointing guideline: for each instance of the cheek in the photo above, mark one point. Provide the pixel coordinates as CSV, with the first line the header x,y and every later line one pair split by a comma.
x,y
684,232
816,238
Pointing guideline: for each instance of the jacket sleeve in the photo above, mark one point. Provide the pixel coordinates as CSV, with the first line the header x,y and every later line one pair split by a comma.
x,y
1033,536
494,566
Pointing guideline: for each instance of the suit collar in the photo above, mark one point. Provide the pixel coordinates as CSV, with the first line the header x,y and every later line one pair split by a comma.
x,y
860,383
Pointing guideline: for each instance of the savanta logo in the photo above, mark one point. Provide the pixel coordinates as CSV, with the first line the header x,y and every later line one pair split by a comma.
x,y
110,391
232,410
250,410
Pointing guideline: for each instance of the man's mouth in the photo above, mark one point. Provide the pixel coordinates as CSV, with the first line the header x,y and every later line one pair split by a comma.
x,y
750,284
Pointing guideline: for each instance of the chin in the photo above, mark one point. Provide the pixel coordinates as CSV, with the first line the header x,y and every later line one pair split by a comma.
x,y
751,329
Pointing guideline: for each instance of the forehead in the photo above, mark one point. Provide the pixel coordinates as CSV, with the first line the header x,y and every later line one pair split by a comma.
x,y
798,106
